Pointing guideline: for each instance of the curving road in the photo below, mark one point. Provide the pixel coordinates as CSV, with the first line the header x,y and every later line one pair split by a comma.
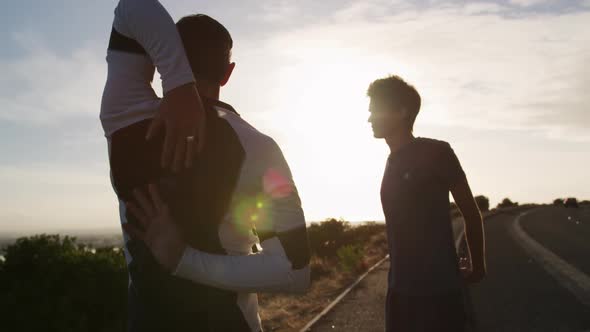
x,y
518,294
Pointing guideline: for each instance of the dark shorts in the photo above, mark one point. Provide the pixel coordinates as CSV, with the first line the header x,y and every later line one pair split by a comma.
x,y
441,312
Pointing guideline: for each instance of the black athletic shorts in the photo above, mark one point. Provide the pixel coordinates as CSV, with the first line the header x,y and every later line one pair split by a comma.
x,y
440,312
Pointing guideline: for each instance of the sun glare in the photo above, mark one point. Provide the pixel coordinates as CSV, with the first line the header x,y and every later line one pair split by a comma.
x,y
322,127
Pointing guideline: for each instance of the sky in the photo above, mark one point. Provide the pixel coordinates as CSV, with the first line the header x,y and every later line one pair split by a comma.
x,y
505,82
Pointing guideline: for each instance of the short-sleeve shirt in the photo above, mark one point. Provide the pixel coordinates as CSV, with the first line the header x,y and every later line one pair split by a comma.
x,y
415,199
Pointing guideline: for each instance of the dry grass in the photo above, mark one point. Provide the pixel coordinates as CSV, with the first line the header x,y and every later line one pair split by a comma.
x,y
283,312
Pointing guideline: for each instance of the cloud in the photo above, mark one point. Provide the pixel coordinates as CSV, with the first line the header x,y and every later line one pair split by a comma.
x,y
474,65
44,86
303,67
278,11
54,172
472,8
527,3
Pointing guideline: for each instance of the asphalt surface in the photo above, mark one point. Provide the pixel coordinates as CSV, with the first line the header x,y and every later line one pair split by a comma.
x,y
564,231
517,295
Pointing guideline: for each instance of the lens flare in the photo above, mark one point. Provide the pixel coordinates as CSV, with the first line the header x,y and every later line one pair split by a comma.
x,y
276,184
253,211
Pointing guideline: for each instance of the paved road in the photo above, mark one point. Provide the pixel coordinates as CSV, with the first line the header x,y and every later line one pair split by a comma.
x,y
518,294
566,232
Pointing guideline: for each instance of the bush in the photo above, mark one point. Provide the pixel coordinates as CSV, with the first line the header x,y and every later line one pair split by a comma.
x,y
52,284
48,283
558,202
326,237
351,257
506,203
483,203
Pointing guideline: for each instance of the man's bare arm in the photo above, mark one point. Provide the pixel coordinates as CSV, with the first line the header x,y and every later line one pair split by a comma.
x,y
474,231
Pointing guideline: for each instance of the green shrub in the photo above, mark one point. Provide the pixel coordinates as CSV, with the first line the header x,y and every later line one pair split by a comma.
x,y
49,283
326,237
350,257
52,284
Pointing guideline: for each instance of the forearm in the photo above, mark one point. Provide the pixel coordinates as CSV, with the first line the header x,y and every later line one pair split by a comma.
x,y
262,272
148,22
475,237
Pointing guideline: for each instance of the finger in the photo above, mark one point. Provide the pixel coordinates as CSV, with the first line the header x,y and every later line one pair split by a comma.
x,y
144,203
169,145
179,153
156,125
134,232
139,214
190,147
155,196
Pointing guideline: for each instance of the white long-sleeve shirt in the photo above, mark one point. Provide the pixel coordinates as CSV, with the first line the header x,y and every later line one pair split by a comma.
x,y
128,96
265,199
144,37
243,175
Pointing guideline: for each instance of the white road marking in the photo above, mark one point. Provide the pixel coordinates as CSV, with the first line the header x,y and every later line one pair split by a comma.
x,y
567,275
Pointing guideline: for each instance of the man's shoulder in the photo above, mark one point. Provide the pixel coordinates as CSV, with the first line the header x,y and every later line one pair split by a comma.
x,y
253,139
430,150
433,143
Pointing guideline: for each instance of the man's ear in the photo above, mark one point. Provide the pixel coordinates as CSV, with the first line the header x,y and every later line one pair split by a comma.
x,y
229,71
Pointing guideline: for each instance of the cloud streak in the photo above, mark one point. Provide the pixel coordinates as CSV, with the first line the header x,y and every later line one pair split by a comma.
x,y
44,86
474,65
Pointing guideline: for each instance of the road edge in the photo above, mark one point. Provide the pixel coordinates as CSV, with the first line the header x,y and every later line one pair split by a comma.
x,y
574,280
332,304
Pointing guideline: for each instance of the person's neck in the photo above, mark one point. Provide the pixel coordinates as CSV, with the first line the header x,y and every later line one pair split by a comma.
x,y
397,140
208,89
